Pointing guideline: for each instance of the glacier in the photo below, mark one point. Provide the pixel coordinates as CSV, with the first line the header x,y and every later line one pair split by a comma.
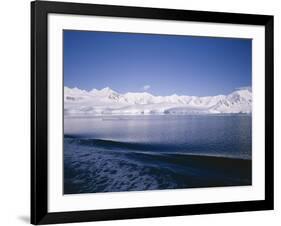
x,y
106,101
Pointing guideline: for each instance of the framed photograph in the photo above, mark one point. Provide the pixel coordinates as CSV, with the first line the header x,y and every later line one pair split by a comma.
x,y
144,112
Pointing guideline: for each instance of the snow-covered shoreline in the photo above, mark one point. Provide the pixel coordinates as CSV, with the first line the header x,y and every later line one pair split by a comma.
x,y
106,101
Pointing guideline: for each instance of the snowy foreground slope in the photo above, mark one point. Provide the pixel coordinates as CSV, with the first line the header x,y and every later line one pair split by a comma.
x,y
108,102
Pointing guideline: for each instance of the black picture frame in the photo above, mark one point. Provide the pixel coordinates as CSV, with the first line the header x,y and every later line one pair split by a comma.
x,y
39,112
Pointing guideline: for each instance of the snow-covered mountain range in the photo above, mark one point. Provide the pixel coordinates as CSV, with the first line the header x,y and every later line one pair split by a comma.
x,y
106,101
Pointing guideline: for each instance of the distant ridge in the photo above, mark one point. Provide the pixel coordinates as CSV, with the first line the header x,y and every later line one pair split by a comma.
x,y
106,101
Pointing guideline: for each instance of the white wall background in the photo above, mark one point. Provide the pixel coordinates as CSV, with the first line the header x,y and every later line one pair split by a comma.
x,y
15,113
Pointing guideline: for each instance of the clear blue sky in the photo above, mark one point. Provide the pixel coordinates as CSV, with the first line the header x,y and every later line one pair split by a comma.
x,y
159,64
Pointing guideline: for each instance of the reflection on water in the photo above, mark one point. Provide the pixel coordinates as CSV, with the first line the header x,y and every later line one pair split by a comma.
x,y
212,135
136,153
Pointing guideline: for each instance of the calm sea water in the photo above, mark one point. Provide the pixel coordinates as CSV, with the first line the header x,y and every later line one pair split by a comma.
x,y
126,153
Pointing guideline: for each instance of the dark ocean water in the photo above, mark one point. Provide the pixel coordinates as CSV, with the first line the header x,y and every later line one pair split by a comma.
x,y
135,153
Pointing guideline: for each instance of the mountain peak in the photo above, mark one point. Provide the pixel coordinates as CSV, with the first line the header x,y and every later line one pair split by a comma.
x,y
74,90
107,90
245,93
93,91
